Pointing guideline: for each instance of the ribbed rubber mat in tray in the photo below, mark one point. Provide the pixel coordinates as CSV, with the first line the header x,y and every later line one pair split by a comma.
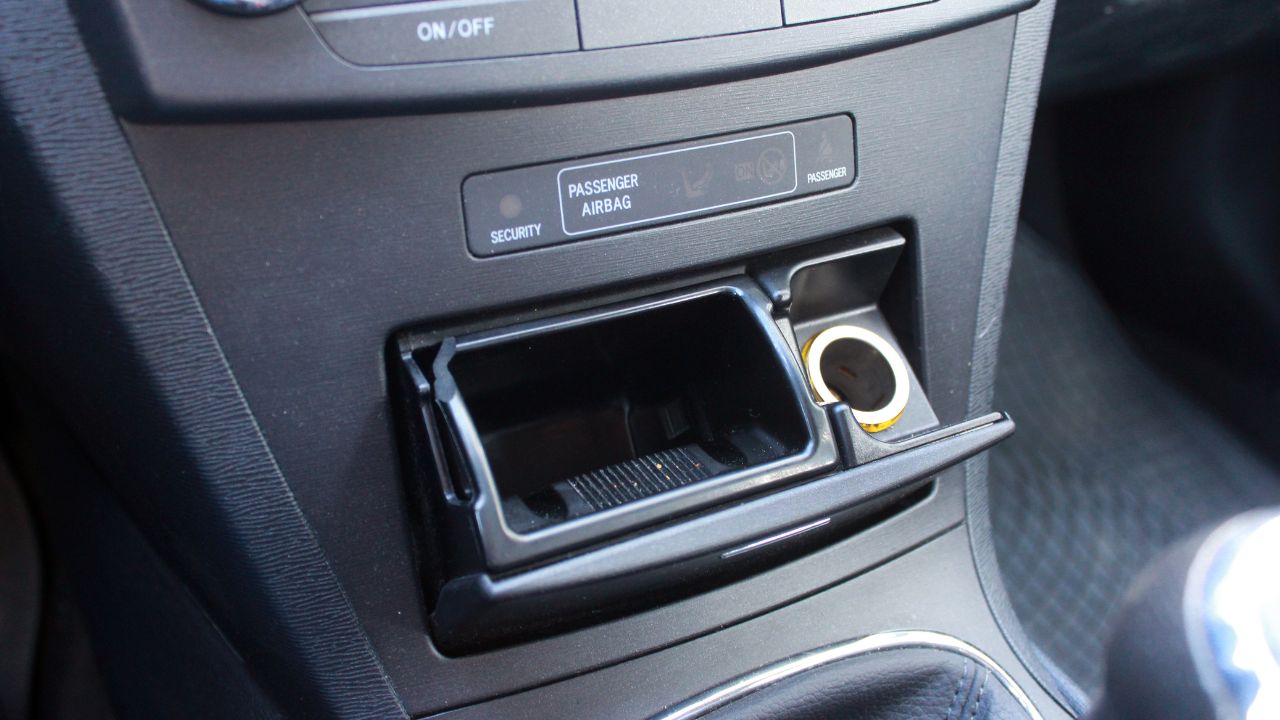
x,y
644,476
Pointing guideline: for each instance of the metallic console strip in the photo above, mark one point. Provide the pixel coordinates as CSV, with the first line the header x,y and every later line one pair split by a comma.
x,y
702,704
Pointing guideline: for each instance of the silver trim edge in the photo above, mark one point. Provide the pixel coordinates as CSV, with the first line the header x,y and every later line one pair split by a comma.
x,y
784,535
700,705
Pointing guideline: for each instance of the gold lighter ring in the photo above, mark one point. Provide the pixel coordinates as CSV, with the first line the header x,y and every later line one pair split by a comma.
x,y
871,420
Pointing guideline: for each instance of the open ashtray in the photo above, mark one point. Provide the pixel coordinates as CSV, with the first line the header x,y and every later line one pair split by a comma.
x,y
583,417
591,424
567,469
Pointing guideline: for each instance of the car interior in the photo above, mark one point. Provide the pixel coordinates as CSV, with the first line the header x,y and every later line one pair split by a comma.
x,y
468,359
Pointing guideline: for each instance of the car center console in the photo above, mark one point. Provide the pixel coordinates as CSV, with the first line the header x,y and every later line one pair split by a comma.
x,y
584,356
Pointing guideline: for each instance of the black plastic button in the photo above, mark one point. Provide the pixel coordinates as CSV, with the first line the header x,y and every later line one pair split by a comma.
x,y
803,11
437,31
613,23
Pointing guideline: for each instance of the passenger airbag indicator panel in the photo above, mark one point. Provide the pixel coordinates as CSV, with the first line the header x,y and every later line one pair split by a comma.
x,y
549,204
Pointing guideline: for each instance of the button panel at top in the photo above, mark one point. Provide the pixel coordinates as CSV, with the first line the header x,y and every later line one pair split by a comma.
x,y
399,32
807,11
611,23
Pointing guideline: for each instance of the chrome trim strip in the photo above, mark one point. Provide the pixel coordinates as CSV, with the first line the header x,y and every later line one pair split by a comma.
x,y
716,697
775,538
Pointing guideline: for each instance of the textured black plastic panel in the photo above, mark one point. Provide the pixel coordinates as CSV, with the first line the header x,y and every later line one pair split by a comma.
x,y
106,321
310,243
933,588
163,59
307,245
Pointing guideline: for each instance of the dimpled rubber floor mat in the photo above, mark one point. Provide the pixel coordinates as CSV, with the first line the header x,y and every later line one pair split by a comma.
x,y
1110,464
